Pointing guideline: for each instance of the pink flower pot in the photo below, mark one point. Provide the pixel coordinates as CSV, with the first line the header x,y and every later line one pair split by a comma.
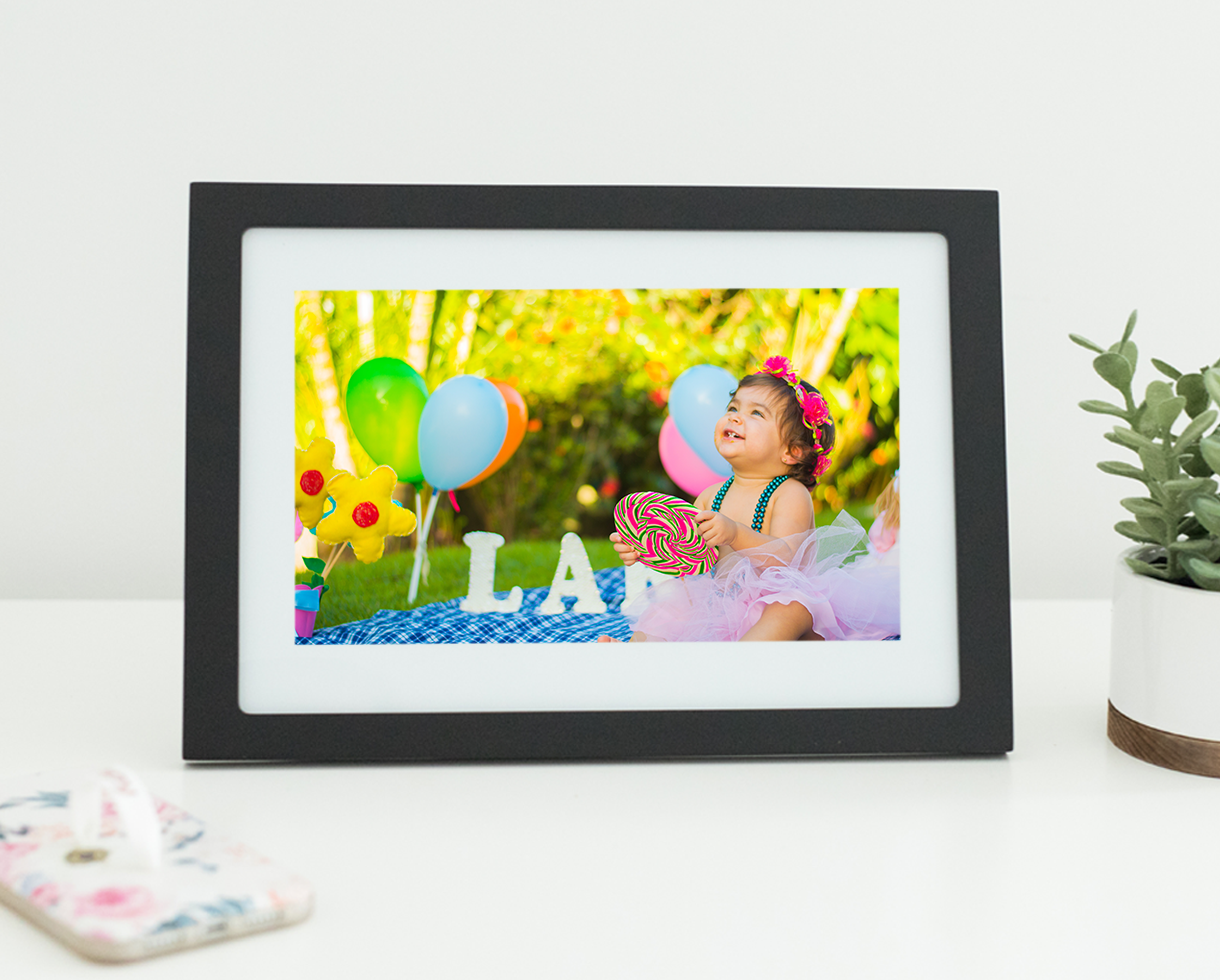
x,y
306,616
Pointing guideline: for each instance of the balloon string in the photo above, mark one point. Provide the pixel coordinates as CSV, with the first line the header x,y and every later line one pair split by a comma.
x,y
453,500
334,557
421,547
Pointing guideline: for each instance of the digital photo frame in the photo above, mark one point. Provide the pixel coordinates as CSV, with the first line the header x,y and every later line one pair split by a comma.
x,y
255,691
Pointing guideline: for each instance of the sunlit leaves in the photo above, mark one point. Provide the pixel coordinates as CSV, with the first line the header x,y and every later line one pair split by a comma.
x,y
608,357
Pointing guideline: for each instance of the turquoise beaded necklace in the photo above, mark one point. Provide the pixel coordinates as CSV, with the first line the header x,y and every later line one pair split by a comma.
x,y
760,509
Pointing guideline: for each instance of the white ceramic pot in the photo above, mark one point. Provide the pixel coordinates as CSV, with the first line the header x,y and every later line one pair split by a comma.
x,y
1165,665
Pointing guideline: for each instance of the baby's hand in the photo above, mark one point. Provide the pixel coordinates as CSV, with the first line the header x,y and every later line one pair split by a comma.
x,y
715,528
629,555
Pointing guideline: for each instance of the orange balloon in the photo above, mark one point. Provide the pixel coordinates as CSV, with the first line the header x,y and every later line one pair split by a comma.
x,y
518,416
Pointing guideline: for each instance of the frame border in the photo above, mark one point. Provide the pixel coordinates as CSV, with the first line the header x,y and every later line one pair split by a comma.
x,y
216,729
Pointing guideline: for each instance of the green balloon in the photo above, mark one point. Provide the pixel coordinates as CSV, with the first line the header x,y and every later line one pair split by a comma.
x,y
385,397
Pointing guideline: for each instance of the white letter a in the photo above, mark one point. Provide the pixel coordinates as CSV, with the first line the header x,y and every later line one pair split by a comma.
x,y
572,556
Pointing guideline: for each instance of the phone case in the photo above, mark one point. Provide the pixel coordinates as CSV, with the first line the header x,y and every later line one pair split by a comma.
x,y
120,875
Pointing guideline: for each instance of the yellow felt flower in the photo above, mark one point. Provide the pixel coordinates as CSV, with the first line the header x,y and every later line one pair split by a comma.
x,y
315,468
364,513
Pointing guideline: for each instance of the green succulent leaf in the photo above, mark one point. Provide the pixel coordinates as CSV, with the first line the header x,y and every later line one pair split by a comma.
x,y
1118,468
1136,533
1191,527
1145,421
1207,510
1168,411
1211,381
314,564
1157,392
1103,408
1130,327
1194,431
1114,369
1128,351
1190,484
1143,507
1154,464
1205,574
1192,463
1166,369
1084,342
1209,449
1143,568
1203,547
1153,526
1130,438
1192,388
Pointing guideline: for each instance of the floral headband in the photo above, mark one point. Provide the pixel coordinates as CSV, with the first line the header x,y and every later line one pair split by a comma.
x,y
814,411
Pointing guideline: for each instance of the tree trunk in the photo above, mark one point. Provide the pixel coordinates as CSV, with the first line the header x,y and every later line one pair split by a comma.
x,y
322,364
812,366
419,330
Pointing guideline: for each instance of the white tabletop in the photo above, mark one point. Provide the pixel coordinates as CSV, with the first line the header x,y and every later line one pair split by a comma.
x,y
1065,859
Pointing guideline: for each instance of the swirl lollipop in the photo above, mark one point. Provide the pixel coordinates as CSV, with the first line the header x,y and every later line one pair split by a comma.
x,y
662,529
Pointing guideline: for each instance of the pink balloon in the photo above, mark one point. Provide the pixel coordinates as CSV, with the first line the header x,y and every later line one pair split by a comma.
x,y
682,463
300,527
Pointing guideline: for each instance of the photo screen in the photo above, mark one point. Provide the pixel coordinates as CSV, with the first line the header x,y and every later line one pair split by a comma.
x,y
596,465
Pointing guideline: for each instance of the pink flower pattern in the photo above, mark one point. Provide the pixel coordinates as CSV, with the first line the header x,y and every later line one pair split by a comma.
x,y
116,903
9,855
44,895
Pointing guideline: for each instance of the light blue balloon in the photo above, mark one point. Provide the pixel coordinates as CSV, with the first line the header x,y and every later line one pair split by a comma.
x,y
461,430
697,401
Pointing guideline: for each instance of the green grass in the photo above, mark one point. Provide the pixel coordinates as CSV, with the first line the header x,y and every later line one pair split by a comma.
x,y
357,591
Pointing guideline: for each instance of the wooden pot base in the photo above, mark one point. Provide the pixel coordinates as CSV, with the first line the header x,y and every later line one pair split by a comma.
x,y
1200,756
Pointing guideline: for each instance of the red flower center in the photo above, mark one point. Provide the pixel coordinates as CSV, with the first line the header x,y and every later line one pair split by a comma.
x,y
365,514
312,482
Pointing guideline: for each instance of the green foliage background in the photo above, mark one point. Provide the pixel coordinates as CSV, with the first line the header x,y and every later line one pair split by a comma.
x,y
595,367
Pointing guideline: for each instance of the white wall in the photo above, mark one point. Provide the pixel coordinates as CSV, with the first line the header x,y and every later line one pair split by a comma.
x,y
1097,124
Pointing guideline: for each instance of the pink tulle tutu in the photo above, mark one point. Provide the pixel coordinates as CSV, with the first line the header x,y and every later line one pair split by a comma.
x,y
850,594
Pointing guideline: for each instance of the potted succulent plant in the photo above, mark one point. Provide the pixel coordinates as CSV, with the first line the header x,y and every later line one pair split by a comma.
x,y
1165,665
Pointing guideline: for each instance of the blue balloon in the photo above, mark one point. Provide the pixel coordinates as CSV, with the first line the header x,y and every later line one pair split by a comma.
x,y
461,430
697,400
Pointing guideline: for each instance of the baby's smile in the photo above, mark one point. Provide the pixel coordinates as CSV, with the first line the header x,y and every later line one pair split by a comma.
x,y
730,434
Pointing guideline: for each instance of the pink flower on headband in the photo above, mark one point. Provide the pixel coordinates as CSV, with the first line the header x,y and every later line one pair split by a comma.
x,y
813,406
823,464
781,367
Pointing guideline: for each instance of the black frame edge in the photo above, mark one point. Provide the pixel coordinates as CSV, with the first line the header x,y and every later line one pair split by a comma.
x,y
214,727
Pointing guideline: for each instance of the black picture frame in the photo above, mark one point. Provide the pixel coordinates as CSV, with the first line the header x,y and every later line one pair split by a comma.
x,y
216,729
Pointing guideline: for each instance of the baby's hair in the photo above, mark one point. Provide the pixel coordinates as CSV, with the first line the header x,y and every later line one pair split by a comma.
x,y
802,441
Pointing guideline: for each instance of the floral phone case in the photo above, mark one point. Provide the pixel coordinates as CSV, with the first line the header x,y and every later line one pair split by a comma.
x,y
120,875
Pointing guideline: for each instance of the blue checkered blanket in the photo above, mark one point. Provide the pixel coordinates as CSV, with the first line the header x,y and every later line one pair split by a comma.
x,y
444,622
